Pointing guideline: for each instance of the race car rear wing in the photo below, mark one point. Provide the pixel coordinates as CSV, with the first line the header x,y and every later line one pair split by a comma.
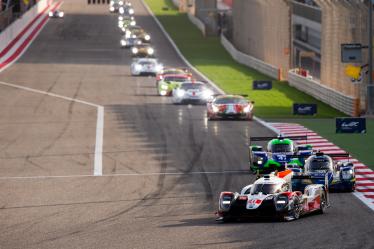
x,y
274,137
300,181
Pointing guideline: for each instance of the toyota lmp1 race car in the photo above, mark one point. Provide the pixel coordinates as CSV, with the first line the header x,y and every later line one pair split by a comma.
x,y
273,196
170,82
149,66
280,152
230,107
142,50
340,173
56,14
191,93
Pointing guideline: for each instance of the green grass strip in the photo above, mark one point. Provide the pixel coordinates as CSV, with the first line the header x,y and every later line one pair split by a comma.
x,y
210,57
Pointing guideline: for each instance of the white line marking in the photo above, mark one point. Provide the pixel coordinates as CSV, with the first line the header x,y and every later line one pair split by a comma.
x,y
365,200
99,123
130,174
98,164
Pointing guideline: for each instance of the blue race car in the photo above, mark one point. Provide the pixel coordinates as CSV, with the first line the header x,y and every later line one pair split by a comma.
x,y
340,175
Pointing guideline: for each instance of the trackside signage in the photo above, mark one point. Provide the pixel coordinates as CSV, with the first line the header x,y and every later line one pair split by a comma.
x,y
262,85
350,125
304,109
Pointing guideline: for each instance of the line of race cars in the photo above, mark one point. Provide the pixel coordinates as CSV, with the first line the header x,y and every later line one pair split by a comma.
x,y
293,180
178,83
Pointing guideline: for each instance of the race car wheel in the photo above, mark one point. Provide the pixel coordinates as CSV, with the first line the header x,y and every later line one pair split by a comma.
x,y
294,213
323,204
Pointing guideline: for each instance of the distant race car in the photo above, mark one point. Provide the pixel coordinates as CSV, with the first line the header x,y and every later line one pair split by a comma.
x,y
170,82
114,5
340,173
174,71
125,22
280,152
149,66
273,196
230,107
142,50
130,42
191,93
126,9
137,32
56,14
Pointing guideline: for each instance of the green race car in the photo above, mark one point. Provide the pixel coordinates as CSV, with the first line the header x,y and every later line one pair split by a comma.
x,y
281,152
169,82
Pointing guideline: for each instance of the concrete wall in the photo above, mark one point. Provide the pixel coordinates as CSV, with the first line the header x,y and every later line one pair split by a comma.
x,y
17,26
347,104
250,61
259,32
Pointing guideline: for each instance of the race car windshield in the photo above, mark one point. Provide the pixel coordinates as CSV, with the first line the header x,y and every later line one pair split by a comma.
x,y
280,148
175,79
192,86
146,63
265,188
319,164
221,101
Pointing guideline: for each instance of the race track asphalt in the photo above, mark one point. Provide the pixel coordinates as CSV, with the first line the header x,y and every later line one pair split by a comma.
x,y
163,165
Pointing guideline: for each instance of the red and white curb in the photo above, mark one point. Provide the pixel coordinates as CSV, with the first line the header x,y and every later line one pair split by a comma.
x,y
364,175
14,50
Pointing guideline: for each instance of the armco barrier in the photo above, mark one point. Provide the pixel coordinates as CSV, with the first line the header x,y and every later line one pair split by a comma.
x,y
250,61
343,103
17,26
196,21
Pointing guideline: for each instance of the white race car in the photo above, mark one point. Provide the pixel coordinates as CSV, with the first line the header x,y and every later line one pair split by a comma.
x,y
192,92
273,196
149,66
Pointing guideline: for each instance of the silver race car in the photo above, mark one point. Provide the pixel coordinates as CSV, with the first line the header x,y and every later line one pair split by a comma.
x,y
192,93
146,66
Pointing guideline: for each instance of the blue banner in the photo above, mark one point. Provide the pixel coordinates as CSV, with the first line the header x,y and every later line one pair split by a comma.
x,y
262,85
304,109
350,125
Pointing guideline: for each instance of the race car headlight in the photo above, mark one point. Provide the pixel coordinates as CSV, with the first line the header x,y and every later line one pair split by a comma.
x,y
347,174
259,162
120,2
120,23
61,14
131,11
247,109
134,50
207,94
147,37
50,13
150,51
164,87
215,108
180,93
163,92
111,8
132,23
120,18
121,10
123,42
281,202
111,2
138,67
